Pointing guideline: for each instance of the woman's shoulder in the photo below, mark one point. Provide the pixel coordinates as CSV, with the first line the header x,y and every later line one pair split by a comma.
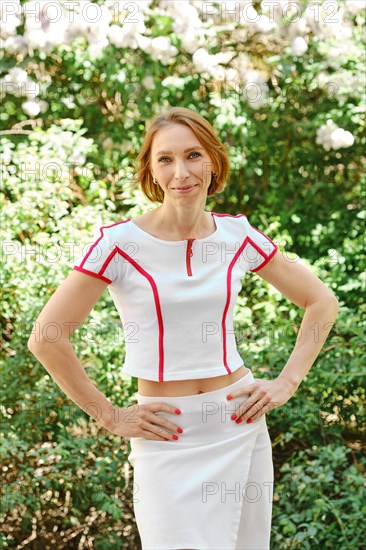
x,y
143,221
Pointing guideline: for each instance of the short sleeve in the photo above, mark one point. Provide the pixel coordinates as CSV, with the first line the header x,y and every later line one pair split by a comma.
x,y
98,258
259,249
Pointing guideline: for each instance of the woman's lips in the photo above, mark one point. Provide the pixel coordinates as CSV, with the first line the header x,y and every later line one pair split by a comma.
x,y
184,189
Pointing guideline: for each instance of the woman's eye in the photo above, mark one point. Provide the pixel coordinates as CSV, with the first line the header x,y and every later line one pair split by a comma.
x,y
193,153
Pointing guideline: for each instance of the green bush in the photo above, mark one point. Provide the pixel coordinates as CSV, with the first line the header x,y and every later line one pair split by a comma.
x,y
322,497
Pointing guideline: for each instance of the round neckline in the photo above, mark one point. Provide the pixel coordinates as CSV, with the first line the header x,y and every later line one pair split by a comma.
x,y
149,236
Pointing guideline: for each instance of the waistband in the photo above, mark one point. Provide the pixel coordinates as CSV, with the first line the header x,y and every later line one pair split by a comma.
x,y
200,398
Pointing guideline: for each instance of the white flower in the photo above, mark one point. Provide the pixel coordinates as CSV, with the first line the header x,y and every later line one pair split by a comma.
x,y
221,120
121,76
70,103
31,89
298,46
200,58
232,75
185,17
186,23
17,75
242,64
343,84
253,76
224,57
252,84
160,43
295,28
339,51
148,82
43,105
96,48
10,12
31,108
323,134
15,44
203,61
18,83
77,157
342,138
162,49
218,73
77,27
44,28
116,36
264,24
317,18
143,42
97,19
190,40
128,35
355,6
332,137
173,81
249,16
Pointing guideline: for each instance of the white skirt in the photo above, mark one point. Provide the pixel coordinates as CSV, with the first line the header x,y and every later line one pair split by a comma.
x,y
213,487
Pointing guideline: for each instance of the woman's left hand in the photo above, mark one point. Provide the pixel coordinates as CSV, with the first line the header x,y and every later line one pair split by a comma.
x,y
264,396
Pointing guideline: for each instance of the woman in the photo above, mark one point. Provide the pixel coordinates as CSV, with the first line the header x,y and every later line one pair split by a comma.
x,y
200,447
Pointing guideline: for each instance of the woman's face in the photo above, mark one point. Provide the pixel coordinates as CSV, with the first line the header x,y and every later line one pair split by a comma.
x,y
174,166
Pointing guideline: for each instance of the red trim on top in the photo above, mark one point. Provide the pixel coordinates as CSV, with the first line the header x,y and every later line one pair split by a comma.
x,y
82,270
99,274
228,289
228,292
189,253
227,215
157,305
267,259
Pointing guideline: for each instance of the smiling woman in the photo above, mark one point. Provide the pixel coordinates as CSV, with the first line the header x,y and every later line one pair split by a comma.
x,y
177,290
179,143
181,162
185,169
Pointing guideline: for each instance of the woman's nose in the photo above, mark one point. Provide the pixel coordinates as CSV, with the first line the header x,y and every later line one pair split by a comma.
x,y
181,171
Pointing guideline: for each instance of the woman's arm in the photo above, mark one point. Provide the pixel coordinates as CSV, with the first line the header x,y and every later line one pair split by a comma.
x,y
49,343
298,284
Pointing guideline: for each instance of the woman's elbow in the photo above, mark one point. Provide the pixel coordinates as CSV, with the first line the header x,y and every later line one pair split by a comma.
x,y
33,345
35,341
332,301
325,297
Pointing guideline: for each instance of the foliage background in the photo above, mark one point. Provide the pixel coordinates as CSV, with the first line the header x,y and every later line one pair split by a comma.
x,y
76,99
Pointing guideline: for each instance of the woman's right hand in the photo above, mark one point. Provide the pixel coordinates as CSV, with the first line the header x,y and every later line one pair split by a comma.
x,y
141,421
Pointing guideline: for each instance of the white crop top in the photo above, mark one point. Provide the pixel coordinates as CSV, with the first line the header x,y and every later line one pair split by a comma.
x,y
176,298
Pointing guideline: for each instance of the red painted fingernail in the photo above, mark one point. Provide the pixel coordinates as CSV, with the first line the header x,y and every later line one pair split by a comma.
x,y
249,420
239,420
179,430
229,396
177,411
175,437
233,416
166,439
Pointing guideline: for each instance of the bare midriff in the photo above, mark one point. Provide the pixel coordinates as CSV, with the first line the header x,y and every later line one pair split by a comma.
x,y
176,388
